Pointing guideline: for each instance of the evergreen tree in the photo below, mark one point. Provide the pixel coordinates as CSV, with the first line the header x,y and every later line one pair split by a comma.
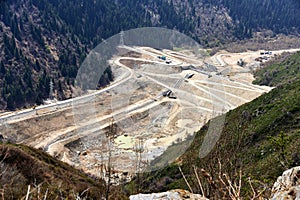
x,y
2,68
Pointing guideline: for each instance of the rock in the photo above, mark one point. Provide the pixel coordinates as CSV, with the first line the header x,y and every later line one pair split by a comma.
x,y
173,194
1,138
287,186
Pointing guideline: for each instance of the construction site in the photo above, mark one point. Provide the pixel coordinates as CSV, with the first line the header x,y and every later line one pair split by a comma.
x,y
159,97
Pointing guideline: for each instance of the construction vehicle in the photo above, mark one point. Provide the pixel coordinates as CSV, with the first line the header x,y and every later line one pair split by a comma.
x,y
188,76
167,93
162,57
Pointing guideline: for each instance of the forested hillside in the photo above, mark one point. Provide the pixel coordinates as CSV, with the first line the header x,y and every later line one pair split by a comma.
x,y
43,41
279,16
221,20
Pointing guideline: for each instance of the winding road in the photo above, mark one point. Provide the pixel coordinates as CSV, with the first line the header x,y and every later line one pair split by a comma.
x,y
200,96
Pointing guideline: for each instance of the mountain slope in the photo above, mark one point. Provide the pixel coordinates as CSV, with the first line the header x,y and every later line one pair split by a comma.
x,y
49,178
279,73
43,41
22,166
37,47
259,138
241,17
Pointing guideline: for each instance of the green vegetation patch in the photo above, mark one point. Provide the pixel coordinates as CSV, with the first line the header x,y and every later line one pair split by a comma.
x,y
279,73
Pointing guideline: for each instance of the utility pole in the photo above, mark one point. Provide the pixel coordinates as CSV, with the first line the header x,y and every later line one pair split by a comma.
x,y
122,38
51,94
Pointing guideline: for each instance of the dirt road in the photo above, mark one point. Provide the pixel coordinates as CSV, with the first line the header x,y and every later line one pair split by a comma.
x,y
152,104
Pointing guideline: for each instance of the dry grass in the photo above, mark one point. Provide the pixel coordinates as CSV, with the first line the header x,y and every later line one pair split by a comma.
x,y
221,185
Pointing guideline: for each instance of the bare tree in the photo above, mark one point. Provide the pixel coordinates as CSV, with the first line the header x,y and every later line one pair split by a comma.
x,y
109,169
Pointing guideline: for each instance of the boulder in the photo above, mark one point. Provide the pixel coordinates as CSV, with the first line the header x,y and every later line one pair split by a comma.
x,y
173,194
287,186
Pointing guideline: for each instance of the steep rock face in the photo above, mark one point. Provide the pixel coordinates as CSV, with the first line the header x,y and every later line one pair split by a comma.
x,y
173,194
287,186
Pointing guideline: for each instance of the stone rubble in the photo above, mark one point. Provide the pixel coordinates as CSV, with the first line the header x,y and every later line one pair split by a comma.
x,y
170,195
287,186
